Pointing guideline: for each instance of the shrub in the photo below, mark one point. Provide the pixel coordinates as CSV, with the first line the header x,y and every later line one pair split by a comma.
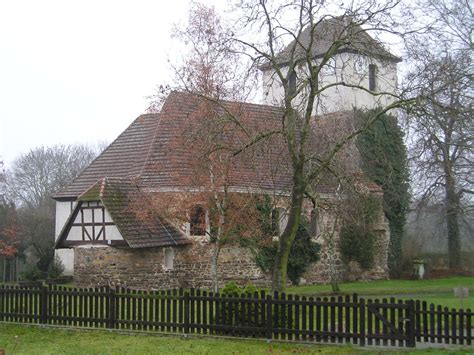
x,y
303,253
31,273
44,261
56,268
358,244
231,289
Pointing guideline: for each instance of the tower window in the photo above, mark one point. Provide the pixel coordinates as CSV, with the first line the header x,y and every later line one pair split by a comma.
x,y
372,77
360,65
292,83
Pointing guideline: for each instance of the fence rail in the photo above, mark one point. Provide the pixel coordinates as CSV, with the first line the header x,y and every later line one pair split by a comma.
x,y
275,316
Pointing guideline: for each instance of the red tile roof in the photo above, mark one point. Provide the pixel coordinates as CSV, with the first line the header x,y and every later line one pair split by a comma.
x,y
156,151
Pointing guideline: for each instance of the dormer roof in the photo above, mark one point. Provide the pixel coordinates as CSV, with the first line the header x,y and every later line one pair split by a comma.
x,y
132,213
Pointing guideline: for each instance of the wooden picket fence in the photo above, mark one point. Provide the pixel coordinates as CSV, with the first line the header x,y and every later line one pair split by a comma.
x,y
275,316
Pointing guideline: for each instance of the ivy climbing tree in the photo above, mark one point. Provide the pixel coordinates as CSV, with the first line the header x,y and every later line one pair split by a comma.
x,y
384,161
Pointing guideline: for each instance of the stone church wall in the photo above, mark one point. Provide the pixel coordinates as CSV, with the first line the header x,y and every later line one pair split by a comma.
x,y
144,268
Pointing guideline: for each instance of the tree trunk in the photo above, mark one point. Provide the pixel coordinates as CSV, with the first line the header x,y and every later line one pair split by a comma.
x,y
214,267
452,222
286,239
333,276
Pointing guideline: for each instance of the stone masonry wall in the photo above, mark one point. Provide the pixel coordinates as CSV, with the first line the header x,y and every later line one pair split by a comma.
x,y
330,260
143,268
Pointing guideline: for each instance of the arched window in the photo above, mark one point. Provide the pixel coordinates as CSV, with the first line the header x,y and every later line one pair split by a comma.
x,y
197,220
372,77
279,221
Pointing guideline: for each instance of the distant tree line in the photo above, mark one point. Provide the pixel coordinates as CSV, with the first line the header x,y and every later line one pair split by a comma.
x,y
27,210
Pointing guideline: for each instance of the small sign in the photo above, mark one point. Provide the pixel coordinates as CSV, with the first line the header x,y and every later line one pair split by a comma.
x,y
461,292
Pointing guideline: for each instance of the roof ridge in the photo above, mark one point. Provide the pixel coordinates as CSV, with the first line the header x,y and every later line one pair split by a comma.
x,y
226,101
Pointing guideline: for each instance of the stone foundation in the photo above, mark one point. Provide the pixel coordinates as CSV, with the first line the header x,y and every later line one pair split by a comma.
x,y
144,268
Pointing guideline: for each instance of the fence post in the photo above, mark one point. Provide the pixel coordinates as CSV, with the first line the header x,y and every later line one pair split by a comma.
x,y
411,340
362,322
186,313
2,296
269,318
111,315
44,305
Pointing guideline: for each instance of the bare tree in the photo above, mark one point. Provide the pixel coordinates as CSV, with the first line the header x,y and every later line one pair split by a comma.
x,y
37,175
441,124
209,64
299,43
300,71
211,70
31,182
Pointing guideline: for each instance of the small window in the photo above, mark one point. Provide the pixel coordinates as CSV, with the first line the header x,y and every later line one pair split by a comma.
x,y
360,66
372,77
198,220
292,83
169,259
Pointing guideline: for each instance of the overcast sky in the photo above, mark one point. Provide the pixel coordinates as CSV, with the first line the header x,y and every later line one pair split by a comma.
x,y
79,71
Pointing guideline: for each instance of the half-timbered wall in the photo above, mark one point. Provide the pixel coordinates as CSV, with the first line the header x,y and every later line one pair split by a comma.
x,y
93,224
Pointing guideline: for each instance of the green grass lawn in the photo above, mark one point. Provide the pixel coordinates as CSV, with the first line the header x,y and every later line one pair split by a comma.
x,y
17,339
437,291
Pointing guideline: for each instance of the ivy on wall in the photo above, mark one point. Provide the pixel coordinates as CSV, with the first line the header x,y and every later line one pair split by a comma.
x,y
384,161
357,238
303,251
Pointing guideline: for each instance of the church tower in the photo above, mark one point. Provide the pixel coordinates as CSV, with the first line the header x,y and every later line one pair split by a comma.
x,y
365,72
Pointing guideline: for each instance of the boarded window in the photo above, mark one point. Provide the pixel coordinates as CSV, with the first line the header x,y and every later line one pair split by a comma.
x,y
198,220
169,258
372,77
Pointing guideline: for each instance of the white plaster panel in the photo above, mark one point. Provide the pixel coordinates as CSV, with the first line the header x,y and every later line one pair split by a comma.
x,y
112,233
67,258
63,210
339,98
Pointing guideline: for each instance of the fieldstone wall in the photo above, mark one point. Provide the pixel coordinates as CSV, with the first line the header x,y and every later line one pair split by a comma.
x,y
144,268
330,260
